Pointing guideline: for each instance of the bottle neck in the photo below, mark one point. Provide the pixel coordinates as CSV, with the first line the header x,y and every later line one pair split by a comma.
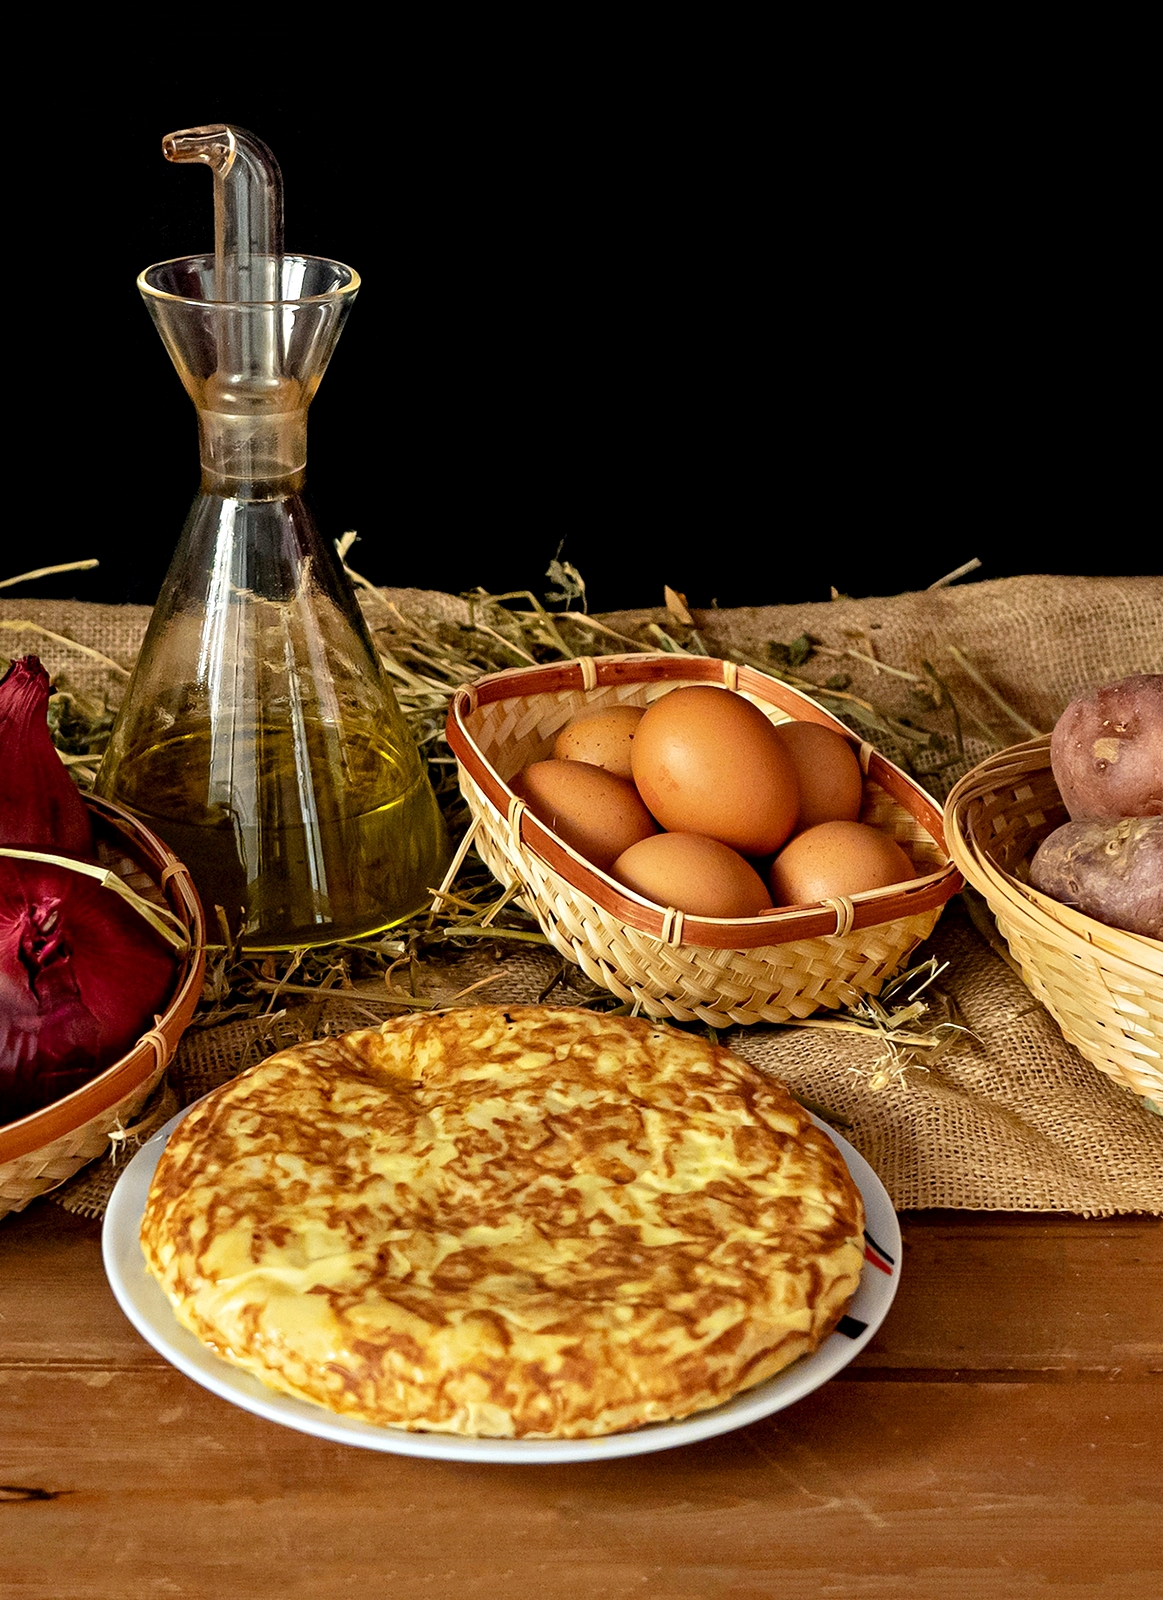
x,y
260,456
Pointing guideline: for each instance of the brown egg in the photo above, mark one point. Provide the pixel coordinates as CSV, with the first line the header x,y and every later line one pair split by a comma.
x,y
706,761
693,874
597,814
601,738
831,783
836,858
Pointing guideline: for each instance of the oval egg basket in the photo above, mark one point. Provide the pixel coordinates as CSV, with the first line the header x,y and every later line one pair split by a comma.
x,y
44,1149
1103,987
781,965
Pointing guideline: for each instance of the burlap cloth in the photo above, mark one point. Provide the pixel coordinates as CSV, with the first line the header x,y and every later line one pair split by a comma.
x,y
1014,1118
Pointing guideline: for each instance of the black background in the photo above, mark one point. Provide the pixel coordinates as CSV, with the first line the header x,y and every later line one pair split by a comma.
x,y
747,353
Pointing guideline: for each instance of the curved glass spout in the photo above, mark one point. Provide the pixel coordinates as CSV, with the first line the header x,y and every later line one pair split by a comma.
x,y
248,207
248,246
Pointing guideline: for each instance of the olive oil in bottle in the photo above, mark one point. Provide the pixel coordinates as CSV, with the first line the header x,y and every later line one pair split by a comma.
x,y
289,866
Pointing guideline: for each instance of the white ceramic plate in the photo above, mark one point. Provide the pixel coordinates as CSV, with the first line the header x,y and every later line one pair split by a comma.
x,y
143,1302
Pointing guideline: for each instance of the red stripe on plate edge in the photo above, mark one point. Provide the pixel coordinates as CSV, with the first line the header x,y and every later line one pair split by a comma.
x,y
876,1261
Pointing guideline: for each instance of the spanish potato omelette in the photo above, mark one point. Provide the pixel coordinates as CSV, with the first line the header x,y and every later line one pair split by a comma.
x,y
526,1223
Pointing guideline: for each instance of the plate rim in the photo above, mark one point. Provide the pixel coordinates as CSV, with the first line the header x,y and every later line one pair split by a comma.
x,y
157,1324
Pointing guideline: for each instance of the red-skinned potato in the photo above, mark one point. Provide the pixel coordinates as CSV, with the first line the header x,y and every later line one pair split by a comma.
x,y
1106,750
1111,871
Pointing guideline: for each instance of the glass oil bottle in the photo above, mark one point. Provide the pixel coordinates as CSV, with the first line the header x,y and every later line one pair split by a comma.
x,y
259,736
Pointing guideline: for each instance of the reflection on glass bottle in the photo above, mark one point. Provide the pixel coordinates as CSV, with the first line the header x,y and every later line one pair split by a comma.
x,y
259,736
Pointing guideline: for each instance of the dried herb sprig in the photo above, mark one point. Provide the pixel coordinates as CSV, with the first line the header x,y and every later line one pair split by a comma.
x,y
901,1023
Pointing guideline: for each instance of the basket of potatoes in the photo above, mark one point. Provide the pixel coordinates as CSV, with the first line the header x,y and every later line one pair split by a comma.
x,y
1063,835
702,840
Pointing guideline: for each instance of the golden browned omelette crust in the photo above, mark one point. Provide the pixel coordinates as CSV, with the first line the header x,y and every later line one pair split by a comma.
x,y
530,1223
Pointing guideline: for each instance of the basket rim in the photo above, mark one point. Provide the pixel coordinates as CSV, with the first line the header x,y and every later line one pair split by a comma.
x,y
780,925
92,1099
1047,916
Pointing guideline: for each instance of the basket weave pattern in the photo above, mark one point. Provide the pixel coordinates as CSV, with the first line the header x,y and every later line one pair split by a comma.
x,y
27,1176
771,968
43,1150
1103,987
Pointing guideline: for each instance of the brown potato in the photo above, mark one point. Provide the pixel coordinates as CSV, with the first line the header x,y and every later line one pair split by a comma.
x,y
1111,871
1107,750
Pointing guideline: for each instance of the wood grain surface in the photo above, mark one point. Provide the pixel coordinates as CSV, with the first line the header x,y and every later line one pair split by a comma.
x,y
1001,1437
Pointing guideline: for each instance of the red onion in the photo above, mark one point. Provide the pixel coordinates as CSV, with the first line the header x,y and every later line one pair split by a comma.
x,y
81,973
40,805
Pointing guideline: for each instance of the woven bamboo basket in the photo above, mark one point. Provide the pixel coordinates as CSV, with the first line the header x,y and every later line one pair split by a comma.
x,y
1103,987
46,1148
778,966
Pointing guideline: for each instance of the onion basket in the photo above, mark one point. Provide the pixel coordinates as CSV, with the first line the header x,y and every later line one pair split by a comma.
x,y
1103,987
44,1149
781,965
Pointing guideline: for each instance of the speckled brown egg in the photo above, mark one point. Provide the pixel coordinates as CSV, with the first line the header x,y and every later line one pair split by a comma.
x,y
706,761
699,876
601,738
828,773
597,814
836,858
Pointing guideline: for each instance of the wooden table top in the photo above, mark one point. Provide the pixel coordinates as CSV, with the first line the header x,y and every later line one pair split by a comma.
x,y
1002,1436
